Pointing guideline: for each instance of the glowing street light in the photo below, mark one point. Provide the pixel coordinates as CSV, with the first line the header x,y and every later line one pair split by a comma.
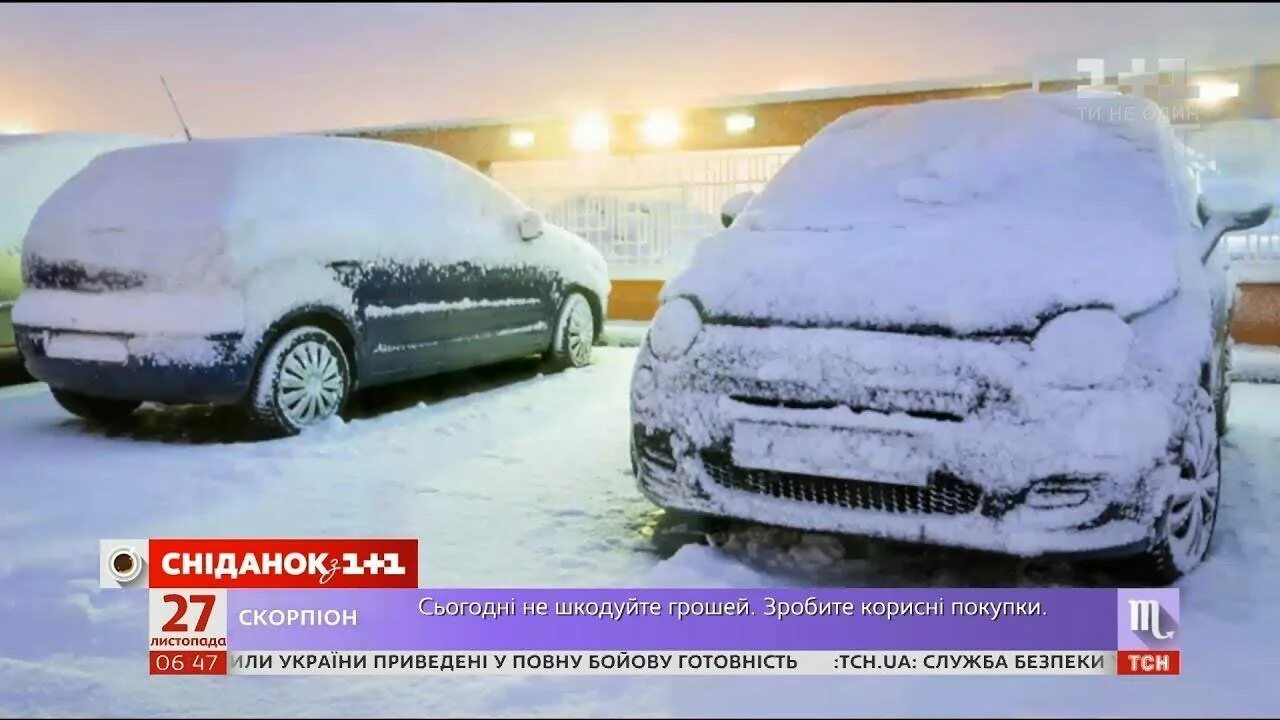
x,y
661,129
590,133
739,123
521,138
1215,92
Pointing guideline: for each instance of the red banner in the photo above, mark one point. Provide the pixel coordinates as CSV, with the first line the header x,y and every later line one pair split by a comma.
x,y
282,563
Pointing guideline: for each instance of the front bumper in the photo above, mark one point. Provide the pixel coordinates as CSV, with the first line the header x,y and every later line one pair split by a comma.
x,y
222,376
987,463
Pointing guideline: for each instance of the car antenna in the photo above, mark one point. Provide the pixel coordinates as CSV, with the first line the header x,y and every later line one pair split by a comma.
x,y
185,130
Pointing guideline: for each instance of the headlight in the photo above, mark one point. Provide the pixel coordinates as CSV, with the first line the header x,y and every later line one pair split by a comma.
x,y
675,328
1082,348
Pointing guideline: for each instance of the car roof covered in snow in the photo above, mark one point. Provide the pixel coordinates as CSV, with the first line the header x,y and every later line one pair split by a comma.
x,y
236,181
1029,155
231,170
228,207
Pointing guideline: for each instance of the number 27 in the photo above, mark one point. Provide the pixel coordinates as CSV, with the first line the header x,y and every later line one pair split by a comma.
x,y
175,623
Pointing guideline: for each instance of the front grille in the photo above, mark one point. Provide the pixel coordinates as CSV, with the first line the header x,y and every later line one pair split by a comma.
x,y
944,495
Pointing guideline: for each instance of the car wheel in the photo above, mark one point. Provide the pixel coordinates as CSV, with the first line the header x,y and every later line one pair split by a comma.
x,y
575,333
94,409
304,379
1184,531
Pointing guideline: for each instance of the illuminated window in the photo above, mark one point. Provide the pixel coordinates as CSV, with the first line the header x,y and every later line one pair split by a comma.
x,y
1215,92
739,123
521,138
661,129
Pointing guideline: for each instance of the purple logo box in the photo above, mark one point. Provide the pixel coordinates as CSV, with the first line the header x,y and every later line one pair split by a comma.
x,y
1148,619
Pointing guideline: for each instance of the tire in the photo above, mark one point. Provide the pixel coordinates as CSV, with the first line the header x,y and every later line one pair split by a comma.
x,y
94,409
575,333
1185,529
304,379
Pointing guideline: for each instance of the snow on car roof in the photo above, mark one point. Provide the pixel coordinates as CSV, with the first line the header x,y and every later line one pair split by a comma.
x,y
1027,155
252,201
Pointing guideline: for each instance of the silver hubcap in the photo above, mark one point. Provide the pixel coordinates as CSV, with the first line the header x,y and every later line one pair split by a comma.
x,y
310,387
579,331
1196,499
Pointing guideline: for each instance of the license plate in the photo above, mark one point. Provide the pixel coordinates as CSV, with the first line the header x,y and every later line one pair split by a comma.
x,y
95,348
848,453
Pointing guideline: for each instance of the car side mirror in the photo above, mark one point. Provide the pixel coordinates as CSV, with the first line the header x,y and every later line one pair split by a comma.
x,y
530,226
1217,224
734,206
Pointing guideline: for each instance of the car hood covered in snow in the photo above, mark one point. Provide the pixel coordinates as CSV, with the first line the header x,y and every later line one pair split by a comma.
x,y
963,216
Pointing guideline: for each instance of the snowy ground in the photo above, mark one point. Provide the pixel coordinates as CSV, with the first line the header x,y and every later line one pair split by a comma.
x,y
514,479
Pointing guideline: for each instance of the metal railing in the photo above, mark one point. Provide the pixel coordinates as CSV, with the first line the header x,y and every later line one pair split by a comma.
x,y
1261,246
645,213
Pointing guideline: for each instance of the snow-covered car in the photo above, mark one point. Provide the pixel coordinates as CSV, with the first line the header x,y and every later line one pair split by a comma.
x,y
991,323
284,273
32,166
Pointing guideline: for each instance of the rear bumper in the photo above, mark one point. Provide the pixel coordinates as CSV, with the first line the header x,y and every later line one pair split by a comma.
x,y
142,377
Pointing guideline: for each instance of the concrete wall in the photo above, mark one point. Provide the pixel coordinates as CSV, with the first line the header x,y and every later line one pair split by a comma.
x,y
634,299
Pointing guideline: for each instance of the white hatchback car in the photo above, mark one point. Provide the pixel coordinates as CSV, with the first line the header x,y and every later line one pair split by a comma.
x,y
991,323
